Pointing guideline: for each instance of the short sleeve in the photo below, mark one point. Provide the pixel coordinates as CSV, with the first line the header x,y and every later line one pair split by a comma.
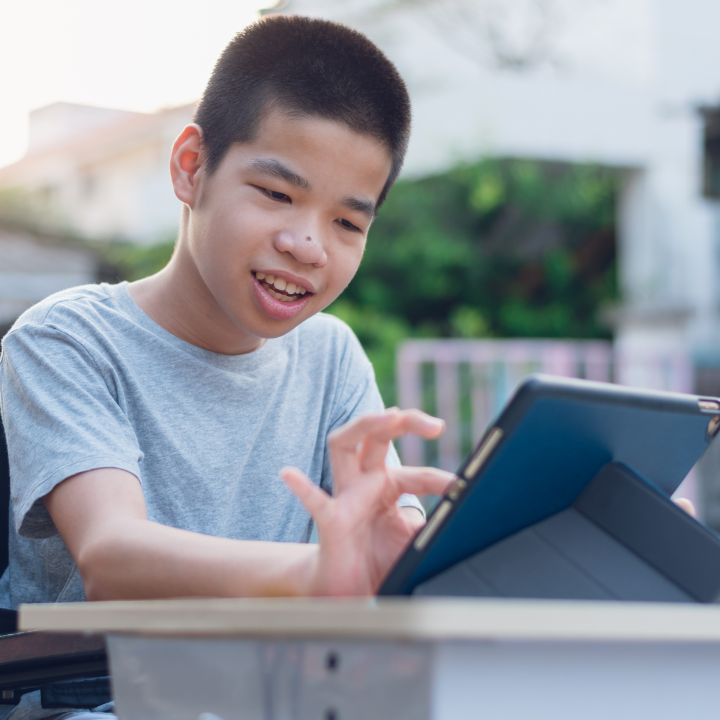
x,y
59,404
358,396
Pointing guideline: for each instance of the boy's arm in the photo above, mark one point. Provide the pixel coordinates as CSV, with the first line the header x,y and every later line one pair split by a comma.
x,y
101,516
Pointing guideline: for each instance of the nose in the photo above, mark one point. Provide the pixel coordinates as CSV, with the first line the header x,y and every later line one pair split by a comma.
x,y
302,246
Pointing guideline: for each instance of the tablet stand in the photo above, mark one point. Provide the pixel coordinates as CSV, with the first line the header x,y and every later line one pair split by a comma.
x,y
620,540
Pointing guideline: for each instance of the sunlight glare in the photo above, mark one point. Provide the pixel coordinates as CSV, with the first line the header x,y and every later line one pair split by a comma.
x,y
136,55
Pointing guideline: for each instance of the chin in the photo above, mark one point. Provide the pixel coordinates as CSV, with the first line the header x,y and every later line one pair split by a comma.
x,y
271,329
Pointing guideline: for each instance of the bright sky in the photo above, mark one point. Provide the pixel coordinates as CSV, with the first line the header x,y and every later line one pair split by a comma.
x,y
134,55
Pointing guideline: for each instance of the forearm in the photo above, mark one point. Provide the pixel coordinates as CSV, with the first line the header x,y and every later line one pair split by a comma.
x,y
101,516
141,559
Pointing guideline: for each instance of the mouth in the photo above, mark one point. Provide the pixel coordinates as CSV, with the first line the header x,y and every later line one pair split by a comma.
x,y
278,298
279,288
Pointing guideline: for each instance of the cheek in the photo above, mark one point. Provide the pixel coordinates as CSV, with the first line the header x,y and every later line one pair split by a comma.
x,y
231,237
345,263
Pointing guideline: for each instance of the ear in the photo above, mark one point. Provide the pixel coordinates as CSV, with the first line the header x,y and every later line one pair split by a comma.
x,y
185,161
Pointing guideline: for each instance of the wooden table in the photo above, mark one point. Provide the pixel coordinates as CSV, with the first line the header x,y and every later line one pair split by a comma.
x,y
419,659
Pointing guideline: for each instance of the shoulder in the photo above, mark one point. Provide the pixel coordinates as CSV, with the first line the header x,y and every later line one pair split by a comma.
x,y
77,319
328,349
66,305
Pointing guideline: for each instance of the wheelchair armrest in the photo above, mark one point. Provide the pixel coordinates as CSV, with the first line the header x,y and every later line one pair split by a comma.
x,y
30,660
8,621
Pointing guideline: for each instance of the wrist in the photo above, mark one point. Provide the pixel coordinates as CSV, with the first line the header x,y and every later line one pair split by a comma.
x,y
304,574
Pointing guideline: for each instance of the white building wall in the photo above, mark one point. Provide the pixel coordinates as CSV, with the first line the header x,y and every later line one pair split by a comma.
x,y
106,177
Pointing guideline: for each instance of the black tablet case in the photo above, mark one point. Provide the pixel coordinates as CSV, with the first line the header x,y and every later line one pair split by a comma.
x,y
620,538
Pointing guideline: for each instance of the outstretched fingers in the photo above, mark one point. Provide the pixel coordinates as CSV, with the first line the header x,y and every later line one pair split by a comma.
x,y
372,434
315,500
421,481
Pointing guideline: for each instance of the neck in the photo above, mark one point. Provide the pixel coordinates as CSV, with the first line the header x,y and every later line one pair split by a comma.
x,y
179,301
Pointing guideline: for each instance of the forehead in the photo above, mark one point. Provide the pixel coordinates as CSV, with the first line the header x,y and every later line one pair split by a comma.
x,y
326,153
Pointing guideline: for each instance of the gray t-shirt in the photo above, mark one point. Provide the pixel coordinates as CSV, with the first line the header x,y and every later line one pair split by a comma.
x,y
88,380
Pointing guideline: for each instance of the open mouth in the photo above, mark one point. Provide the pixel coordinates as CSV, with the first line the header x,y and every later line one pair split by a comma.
x,y
279,288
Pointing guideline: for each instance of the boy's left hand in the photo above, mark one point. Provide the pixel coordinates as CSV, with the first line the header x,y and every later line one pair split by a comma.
x,y
362,531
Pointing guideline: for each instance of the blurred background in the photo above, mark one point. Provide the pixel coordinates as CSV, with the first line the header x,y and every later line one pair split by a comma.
x,y
558,210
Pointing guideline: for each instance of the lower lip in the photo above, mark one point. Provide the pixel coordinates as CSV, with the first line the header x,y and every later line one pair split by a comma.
x,y
277,309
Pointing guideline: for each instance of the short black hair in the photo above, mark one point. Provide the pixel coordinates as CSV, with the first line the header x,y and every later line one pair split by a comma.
x,y
309,67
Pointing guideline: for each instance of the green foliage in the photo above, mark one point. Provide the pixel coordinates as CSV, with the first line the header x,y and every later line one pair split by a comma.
x,y
24,210
16,206
379,334
132,262
468,322
497,249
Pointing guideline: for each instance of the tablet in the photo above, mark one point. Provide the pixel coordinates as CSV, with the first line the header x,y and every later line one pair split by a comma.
x,y
548,445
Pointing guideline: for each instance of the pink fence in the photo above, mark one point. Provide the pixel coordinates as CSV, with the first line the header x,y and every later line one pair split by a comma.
x,y
491,369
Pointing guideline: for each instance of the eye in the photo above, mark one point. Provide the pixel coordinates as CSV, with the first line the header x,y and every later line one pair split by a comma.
x,y
348,225
275,195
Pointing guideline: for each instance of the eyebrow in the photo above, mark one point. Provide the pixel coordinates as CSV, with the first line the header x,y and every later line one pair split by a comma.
x,y
364,206
277,169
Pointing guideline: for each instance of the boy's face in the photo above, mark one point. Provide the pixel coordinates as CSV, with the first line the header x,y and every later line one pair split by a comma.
x,y
293,207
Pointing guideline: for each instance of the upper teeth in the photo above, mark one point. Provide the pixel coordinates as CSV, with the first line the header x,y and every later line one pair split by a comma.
x,y
280,284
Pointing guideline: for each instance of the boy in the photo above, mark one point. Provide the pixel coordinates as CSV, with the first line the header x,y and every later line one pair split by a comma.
x,y
146,423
